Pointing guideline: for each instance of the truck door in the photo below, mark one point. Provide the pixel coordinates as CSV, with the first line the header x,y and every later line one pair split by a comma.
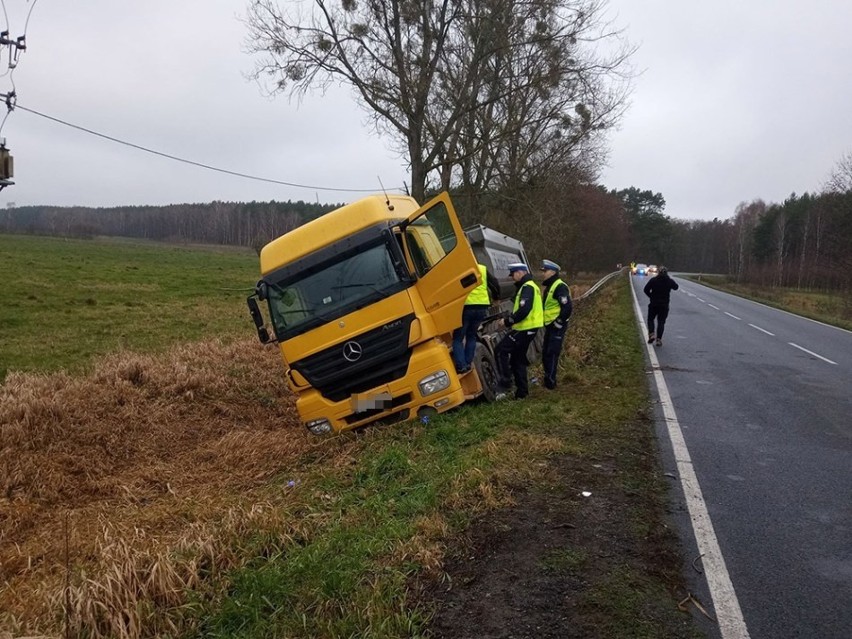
x,y
446,269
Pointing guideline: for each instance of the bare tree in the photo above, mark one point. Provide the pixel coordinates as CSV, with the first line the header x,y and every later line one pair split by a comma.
x,y
547,90
459,85
840,180
745,218
803,257
780,227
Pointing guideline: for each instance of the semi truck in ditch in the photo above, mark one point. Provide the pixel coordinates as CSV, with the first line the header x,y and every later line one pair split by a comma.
x,y
362,303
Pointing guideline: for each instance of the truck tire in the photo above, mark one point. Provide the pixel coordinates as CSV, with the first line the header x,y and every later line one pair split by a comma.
x,y
536,348
486,368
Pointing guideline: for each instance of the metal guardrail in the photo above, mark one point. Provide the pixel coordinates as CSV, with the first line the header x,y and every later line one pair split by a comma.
x,y
599,284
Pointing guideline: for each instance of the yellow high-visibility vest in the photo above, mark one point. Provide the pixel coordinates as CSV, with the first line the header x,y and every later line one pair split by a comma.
x,y
479,295
535,319
551,304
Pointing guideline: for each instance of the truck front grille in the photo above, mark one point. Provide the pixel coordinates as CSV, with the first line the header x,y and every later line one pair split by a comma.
x,y
371,359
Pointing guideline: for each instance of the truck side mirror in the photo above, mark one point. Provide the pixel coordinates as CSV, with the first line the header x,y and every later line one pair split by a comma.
x,y
254,310
261,289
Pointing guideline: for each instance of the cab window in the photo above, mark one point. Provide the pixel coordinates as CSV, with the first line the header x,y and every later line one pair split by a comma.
x,y
430,238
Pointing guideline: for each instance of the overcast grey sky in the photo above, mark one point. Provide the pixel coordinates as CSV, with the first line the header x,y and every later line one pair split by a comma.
x,y
736,100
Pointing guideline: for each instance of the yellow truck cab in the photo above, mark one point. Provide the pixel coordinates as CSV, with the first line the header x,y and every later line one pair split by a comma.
x,y
362,303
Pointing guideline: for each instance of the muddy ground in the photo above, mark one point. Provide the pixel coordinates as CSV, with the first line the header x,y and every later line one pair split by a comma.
x,y
540,569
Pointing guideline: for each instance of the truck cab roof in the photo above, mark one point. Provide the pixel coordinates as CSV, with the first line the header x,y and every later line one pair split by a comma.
x,y
346,221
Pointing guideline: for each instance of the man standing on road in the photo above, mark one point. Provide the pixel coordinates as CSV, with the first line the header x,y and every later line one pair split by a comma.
x,y
557,310
523,322
475,309
658,289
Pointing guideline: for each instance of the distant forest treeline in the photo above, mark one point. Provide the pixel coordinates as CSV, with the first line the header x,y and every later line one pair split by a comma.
x,y
230,223
804,242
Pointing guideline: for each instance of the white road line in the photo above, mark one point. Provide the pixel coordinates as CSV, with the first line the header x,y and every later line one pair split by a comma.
x,y
728,613
699,299
774,308
711,306
825,359
762,330
734,316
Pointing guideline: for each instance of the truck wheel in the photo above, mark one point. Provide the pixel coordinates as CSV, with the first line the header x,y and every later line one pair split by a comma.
x,y
536,348
486,368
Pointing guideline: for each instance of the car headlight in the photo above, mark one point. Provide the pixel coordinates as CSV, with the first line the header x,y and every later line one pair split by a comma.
x,y
319,426
434,383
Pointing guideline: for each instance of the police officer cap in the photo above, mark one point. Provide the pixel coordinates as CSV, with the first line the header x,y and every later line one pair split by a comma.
x,y
518,266
549,265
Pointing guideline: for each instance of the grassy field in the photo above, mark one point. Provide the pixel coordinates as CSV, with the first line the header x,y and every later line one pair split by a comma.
x,y
64,301
175,494
831,308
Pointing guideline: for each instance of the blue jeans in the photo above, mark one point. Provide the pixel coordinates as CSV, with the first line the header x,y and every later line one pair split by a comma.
x,y
464,338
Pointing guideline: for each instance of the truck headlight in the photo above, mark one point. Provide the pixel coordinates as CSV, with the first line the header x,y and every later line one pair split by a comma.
x,y
434,383
319,426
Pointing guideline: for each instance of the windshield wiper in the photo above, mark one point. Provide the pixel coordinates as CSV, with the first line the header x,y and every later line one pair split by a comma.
x,y
360,285
324,317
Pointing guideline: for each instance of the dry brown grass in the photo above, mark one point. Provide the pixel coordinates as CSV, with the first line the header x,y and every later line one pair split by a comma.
x,y
160,466
127,489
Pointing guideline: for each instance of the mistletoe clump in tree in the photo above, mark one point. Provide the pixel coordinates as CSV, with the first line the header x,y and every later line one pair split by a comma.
x,y
477,94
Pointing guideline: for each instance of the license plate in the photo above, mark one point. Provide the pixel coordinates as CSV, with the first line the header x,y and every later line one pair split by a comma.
x,y
362,402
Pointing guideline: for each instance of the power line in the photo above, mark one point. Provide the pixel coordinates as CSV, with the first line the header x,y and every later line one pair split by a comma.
x,y
192,162
3,123
21,45
27,23
11,103
16,46
8,69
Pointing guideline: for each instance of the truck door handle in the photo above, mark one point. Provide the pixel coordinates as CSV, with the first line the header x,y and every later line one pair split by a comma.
x,y
468,280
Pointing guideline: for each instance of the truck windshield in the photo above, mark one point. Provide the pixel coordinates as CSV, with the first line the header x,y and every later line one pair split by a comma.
x,y
332,289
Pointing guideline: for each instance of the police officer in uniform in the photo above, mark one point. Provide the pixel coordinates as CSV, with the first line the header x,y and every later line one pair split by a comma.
x,y
526,318
557,310
475,310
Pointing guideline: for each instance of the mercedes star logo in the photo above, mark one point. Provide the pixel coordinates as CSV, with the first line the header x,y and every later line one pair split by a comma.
x,y
352,351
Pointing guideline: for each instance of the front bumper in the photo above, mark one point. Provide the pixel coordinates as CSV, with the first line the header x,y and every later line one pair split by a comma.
x,y
398,400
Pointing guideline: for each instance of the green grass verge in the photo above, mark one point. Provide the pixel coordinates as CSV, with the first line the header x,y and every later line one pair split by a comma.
x,y
351,576
371,527
64,301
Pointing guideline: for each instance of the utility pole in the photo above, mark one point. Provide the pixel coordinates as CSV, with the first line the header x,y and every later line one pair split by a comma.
x,y
16,47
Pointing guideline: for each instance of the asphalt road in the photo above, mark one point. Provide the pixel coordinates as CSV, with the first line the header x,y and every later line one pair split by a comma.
x,y
764,401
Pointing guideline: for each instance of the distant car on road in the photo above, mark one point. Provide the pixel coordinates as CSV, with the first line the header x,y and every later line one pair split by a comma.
x,y
652,269
640,269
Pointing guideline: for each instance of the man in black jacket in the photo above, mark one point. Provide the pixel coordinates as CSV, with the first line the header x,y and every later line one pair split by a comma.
x,y
658,289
